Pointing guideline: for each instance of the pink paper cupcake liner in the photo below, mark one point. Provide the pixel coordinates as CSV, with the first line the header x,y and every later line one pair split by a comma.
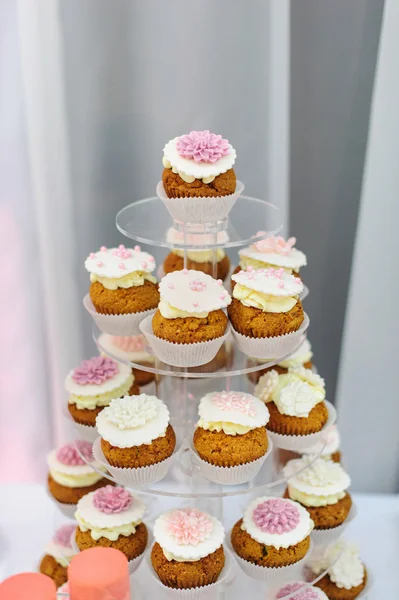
x,y
278,346
273,574
299,443
124,325
140,477
231,475
182,355
324,537
206,592
200,210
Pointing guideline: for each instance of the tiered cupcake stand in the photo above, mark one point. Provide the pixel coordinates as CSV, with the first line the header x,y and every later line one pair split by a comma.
x,y
148,222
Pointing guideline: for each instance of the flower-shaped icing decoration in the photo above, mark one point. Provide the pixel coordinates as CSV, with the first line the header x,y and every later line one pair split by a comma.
x,y
111,500
318,476
63,535
297,591
131,411
296,399
273,244
202,146
343,563
134,343
95,371
234,401
276,516
70,454
189,526
308,375
266,385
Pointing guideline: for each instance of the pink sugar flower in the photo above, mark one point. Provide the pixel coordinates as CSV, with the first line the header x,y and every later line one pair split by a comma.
x,y
202,146
95,371
302,592
63,535
276,516
234,401
111,500
274,244
189,526
70,454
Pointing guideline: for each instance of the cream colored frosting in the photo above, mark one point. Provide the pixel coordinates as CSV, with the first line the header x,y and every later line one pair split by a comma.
x,y
201,256
267,303
61,554
73,476
300,357
234,413
127,281
318,483
342,563
246,262
91,402
111,534
225,426
171,312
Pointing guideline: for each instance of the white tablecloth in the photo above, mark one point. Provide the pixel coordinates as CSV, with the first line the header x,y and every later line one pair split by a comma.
x,y
28,518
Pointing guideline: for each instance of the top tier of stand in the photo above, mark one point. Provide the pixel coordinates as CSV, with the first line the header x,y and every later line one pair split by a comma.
x,y
147,221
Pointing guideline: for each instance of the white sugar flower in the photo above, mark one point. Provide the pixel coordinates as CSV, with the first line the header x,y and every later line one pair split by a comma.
x,y
308,375
266,385
131,411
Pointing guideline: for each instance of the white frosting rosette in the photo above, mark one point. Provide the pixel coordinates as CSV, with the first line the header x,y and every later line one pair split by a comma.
x,y
279,523
234,413
128,422
269,290
273,252
342,563
187,293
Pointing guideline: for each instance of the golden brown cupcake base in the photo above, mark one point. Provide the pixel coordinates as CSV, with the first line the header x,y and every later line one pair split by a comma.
x,y
335,593
141,456
330,516
223,185
124,300
67,495
190,330
50,567
265,556
132,545
222,450
288,425
143,377
254,322
186,575
176,263
87,416
256,375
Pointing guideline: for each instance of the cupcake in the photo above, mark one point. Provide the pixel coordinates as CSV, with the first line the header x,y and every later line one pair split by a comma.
x,y
273,252
93,384
295,401
197,259
328,447
274,533
121,280
132,349
231,432
112,518
302,357
70,477
298,591
199,164
346,575
135,432
59,552
320,486
188,550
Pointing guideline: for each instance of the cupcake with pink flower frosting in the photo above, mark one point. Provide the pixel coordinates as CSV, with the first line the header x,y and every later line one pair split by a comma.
x,y
93,384
273,534
198,164
112,518
59,552
298,590
188,551
273,251
73,472
132,348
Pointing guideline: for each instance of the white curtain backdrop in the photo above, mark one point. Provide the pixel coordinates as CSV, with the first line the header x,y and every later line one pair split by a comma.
x,y
93,92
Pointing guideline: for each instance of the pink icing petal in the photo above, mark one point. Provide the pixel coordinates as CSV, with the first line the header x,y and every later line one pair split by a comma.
x,y
234,401
95,371
63,535
133,343
276,516
202,146
92,255
280,284
69,455
302,593
111,500
189,526
276,245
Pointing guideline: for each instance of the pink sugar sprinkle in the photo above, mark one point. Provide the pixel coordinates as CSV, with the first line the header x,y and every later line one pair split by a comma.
x,y
219,282
100,263
276,516
189,526
92,255
196,304
144,264
137,249
234,401
103,248
185,271
280,284
222,296
171,286
121,266
249,269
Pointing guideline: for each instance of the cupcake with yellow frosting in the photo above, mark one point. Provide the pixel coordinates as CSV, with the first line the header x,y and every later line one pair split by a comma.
x,y
230,438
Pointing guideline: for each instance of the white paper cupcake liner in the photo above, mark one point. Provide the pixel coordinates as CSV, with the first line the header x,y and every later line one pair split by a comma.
x,y
231,475
273,574
135,478
182,355
324,537
304,293
278,346
199,210
124,325
68,510
206,592
299,443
